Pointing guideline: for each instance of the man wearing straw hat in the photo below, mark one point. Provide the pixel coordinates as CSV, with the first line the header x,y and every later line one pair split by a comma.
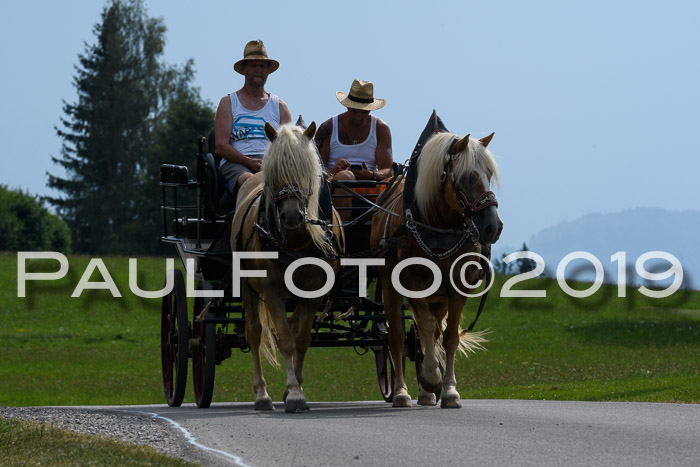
x,y
241,116
355,145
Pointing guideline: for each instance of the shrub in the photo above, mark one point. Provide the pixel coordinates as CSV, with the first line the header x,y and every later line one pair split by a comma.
x,y
27,225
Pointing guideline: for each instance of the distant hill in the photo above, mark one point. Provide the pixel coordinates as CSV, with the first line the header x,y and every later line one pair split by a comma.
x,y
634,231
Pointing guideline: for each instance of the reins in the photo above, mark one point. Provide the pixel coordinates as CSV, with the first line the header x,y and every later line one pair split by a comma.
x,y
482,302
391,213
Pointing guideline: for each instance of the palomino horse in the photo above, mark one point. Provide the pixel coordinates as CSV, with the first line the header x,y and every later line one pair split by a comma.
x,y
452,213
279,211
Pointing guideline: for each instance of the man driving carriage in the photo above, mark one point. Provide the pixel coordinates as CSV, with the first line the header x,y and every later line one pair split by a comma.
x,y
241,116
355,145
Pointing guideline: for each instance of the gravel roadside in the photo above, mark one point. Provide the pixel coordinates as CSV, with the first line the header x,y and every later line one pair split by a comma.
x,y
122,426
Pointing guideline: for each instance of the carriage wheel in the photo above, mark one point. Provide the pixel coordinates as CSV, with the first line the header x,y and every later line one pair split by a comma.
x,y
386,382
414,343
174,341
386,374
203,351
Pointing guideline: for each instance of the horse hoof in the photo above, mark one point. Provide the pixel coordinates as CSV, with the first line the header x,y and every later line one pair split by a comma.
x,y
264,404
450,403
427,399
430,387
296,406
402,400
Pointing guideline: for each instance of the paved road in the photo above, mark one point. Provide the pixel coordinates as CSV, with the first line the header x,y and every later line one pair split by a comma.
x,y
483,432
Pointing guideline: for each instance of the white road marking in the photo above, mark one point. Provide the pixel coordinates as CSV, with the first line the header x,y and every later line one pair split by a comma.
x,y
192,440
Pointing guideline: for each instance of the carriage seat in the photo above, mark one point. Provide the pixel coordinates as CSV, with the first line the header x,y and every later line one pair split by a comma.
x,y
220,195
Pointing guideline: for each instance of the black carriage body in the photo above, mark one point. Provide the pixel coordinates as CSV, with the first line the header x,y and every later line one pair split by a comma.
x,y
197,217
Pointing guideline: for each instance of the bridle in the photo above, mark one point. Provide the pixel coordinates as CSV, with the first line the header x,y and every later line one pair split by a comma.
x,y
484,200
469,208
289,191
285,192
293,191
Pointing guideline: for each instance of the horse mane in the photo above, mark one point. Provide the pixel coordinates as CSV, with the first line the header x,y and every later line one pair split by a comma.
x,y
431,163
291,159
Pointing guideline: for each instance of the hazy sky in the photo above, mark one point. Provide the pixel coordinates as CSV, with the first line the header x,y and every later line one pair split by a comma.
x,y
595,104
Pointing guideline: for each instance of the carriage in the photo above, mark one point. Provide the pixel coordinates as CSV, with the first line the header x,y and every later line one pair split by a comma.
x,y
197,218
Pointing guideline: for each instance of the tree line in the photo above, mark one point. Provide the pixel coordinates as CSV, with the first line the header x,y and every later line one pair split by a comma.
x,y
133,112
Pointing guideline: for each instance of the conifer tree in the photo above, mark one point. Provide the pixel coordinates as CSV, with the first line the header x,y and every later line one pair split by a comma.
x,y
526,264
111,134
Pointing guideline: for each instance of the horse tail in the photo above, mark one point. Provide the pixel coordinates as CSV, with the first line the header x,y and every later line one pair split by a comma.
x,y
471,341
268,342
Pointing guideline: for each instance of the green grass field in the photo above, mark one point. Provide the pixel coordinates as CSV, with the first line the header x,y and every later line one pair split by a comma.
x,y
58,350
33,443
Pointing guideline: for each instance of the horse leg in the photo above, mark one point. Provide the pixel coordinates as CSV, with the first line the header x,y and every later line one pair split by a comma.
x,y
439,310
295,401
450,396
431,378
253,331
302,321
392,310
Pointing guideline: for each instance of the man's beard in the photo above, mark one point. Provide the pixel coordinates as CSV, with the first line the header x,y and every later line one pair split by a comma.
x,y
257,81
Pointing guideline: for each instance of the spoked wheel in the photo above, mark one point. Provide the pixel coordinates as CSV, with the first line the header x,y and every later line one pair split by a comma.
x,y
386,373
414,343
203,351
174,341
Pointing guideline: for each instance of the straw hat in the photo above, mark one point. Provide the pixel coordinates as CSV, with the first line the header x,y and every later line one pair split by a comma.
x,y
361,96
255,50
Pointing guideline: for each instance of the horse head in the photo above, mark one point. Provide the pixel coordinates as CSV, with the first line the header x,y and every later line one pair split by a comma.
x,y
461,170
290,206
292,175
471,189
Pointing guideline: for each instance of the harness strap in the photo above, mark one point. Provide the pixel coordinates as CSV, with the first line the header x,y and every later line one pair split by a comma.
x,y
239,240
484,200
289,191
393,184
482,302
392,213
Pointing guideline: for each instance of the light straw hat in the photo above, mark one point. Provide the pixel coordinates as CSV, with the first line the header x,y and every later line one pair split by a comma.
x,y
361,96
255,50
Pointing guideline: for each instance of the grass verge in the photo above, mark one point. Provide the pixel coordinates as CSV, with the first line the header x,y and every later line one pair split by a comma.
x,y
34,443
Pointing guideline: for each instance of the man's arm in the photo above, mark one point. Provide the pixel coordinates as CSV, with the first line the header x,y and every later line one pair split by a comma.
x,y
285,115
323,140
222,128
383,154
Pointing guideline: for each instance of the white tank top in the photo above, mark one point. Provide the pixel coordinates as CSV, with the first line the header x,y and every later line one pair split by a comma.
x,y
248,131
355,153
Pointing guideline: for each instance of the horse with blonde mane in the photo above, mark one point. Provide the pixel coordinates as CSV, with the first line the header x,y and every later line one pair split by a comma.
x,y
279,212
451,213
